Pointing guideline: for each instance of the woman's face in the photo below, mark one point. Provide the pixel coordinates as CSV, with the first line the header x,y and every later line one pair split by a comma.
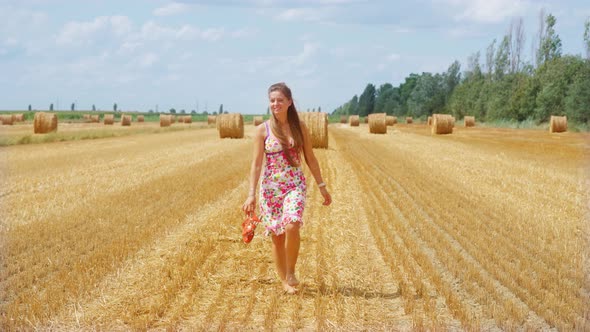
x,y
278,102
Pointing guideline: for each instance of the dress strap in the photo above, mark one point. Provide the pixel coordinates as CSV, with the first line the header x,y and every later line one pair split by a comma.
x,y
267,131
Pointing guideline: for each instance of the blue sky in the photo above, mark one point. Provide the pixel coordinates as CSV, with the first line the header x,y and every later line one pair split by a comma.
x,y
196,55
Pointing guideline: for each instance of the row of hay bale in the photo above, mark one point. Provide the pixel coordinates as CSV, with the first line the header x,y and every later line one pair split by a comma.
x,y
10,119
167,119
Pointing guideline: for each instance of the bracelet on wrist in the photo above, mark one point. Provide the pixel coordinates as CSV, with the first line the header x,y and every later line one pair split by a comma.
x,y
321,184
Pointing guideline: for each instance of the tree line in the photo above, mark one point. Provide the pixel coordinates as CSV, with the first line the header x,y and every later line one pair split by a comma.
x,y
505,87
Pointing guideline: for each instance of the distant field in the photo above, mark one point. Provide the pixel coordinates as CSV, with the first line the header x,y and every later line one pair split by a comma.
x,y
483,229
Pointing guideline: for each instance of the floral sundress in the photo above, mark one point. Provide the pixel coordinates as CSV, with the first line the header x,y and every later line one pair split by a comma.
x,y
283,187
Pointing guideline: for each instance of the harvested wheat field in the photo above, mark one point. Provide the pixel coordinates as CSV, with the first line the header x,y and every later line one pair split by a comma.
x,y
483,229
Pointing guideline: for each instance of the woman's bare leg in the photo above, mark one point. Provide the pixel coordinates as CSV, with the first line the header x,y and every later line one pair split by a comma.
x,y
279,254
292,252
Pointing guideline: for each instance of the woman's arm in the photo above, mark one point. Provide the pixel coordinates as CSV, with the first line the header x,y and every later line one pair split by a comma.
x,y
314,165
255,168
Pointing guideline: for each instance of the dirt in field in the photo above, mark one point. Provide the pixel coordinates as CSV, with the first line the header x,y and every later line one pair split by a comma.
x,y
483,229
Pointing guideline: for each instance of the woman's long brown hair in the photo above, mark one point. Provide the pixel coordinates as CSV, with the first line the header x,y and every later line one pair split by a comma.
x,y
294,125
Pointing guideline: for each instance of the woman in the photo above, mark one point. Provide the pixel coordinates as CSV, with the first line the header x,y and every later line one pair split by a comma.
x,y
282,191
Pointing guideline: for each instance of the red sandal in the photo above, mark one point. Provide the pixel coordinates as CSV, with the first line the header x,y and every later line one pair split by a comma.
x,y
249,226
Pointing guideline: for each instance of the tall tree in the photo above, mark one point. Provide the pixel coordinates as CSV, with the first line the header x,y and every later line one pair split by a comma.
x,y
383,94
490,54
473,67
550,44
517,47
93,107
51,107
30,108
502,59
115,107
73,107
587,37
540,37
367,100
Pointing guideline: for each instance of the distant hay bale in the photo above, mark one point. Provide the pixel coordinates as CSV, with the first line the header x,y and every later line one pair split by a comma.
x,y
172,118
366,119
165,120
230,125
317,125
187,119
19,117
86,117
125,120
140,118
211,119
7,119
469,121
109,119
258,120
441,124
409,120
558,124
44,123
95,118
377,123
343,119
430,120
390,120
354,120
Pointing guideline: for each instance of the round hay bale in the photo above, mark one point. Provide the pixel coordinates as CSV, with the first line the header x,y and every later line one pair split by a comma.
x,y
19,117
86,117
165,120
230,125
409,120
187,119
172,118
109,119
125,120
558,124
44,123
469,121
211,119
7,119
95,118
354,120
430,120
390,120
140,118
377,123
258,120
441,124
343,119
317,125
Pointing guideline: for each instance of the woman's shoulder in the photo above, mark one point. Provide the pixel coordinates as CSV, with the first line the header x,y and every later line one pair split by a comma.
x,y
260,129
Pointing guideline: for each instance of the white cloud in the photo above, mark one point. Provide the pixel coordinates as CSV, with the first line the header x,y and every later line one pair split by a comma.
x,y
486,11
393,57
84,32
174,8
147,60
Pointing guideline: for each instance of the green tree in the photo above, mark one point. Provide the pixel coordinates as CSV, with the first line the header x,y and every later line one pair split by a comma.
x,y
173,111
51,107
73,107
577,100
93,107
221,109
452,78
550,46
366,103
115,107
587,37
30,108
182,111
353,106
383,94
502,59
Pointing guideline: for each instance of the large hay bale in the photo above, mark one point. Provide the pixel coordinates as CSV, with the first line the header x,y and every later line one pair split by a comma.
x,y
390,120
165,120
469,121
44,123
354,120
109,119
125,120
230,125
558,124
257,120
19,117
7,119
409,120
441,124
187,119
140,118
377,123
317,125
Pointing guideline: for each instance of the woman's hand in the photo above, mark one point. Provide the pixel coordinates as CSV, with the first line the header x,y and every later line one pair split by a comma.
x,y
249,204
326,195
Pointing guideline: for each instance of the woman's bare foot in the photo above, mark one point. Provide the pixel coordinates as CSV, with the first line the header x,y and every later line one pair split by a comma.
x,y
292,280
289,289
